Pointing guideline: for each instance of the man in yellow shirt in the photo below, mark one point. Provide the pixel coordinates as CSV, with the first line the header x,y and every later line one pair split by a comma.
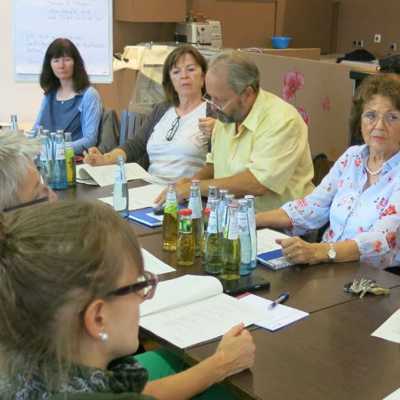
x,y
260,143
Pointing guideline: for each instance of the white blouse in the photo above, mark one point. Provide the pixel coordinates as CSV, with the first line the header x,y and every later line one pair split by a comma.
x,y
177,148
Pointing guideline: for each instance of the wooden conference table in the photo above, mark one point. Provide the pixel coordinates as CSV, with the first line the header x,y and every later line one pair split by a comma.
x,y
329,355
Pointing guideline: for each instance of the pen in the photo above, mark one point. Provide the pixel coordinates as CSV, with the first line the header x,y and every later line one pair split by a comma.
x,y
281,299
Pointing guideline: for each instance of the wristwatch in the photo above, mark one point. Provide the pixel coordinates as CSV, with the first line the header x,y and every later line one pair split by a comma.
x,y
331,252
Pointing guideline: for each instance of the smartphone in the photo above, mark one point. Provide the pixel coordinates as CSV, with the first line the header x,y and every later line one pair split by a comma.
x,y
247,283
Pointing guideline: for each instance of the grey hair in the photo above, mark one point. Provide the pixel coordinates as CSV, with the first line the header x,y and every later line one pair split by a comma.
x,y
16,155
241,70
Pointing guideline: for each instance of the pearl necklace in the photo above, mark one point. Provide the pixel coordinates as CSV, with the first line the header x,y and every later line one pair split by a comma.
x,y
373,173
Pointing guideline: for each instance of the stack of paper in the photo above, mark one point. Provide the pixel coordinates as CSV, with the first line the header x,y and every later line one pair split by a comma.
x,y
140,197
154,264
390,329
105,174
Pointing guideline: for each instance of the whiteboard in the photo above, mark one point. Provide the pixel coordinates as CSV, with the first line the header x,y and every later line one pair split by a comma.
x,y
87,23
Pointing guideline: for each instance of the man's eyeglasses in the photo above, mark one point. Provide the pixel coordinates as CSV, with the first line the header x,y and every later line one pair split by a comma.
x,y
27,204
146,285
174,127
389,118
215,105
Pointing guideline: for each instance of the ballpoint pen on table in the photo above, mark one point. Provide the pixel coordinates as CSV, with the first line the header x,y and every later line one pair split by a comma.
x,y
281,299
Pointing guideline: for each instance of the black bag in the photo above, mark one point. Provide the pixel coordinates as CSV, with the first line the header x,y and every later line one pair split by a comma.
x,y
357,55
390,64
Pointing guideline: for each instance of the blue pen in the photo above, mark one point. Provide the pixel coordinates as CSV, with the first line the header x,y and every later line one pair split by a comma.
x,y
281,299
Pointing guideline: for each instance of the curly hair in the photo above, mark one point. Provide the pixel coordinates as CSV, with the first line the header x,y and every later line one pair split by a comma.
x,y
62,47
173,57
385,85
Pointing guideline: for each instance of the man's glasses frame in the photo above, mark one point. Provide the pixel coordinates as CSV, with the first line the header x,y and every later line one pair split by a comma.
x,y
147,283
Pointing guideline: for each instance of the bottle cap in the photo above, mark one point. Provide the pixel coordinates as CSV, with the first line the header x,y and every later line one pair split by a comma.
x,y
207,211
185,212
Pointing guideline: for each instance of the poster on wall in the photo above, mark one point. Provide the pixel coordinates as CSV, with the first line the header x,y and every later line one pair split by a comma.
x,y
87,23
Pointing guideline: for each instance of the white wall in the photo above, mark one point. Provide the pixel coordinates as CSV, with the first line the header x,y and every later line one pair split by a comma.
x,y
22,99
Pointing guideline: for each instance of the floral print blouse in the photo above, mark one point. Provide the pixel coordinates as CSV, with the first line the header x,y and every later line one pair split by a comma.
x,y
368,216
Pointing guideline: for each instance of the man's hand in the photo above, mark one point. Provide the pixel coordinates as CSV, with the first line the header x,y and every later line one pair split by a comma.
x,y
182,188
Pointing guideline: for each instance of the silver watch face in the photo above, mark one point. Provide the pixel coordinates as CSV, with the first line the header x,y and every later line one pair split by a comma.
x,y
331,253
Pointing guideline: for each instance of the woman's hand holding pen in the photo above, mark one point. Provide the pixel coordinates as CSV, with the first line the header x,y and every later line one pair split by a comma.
x,y
235,352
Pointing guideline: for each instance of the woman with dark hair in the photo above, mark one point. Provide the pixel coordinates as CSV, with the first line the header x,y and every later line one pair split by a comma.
x,y
72,282
360,196
69,102
173,141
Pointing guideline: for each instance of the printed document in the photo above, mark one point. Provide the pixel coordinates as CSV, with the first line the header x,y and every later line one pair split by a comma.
x,y
154,264
390,329
140,197
104,175
193,309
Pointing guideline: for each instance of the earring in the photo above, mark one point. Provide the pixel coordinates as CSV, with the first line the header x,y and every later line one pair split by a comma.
x,y
103,336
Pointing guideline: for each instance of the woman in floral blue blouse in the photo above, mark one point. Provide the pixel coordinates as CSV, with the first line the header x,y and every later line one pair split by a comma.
x,y
360,196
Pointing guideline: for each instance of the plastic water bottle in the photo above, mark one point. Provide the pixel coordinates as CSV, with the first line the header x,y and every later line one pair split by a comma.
x,y
213,241
197,215
245,239
70,160
59,179
170,221
45,157
231,246
120,193
253,229
14,123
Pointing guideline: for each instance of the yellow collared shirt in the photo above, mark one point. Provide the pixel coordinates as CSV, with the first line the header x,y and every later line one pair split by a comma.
x,y
272,143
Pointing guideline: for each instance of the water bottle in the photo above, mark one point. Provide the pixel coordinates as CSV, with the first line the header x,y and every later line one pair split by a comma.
x,y
212,195
213,242
59,178
44,166
253,229
231,246
185,246
222,209
229,198
70,160
245,239
120,193
14,123
197,215
170,221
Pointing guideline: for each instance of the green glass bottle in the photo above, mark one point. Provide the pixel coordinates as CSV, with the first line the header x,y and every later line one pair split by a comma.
x,y
185,245
170,221
231,245
213,241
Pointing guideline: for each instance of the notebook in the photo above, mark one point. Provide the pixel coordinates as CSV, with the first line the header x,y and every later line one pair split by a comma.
x,y
146,217
193,309
270,253
105,174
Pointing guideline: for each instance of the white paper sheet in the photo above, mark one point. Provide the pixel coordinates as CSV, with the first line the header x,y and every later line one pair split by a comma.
x,y
105,174
390,329
180,291
273,317
140,197
266,240
199,322
154,264
394,396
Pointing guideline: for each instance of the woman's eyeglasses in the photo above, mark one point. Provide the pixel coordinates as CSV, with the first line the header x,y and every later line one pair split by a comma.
x,y
174,127
389,118
27,204
146,284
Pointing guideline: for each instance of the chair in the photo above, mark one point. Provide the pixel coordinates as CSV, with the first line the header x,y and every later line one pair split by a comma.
x,y
321,167
108,131
131,121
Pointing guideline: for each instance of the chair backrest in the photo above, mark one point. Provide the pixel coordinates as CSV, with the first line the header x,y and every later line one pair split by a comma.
x,y
131,121
108,131
321,167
